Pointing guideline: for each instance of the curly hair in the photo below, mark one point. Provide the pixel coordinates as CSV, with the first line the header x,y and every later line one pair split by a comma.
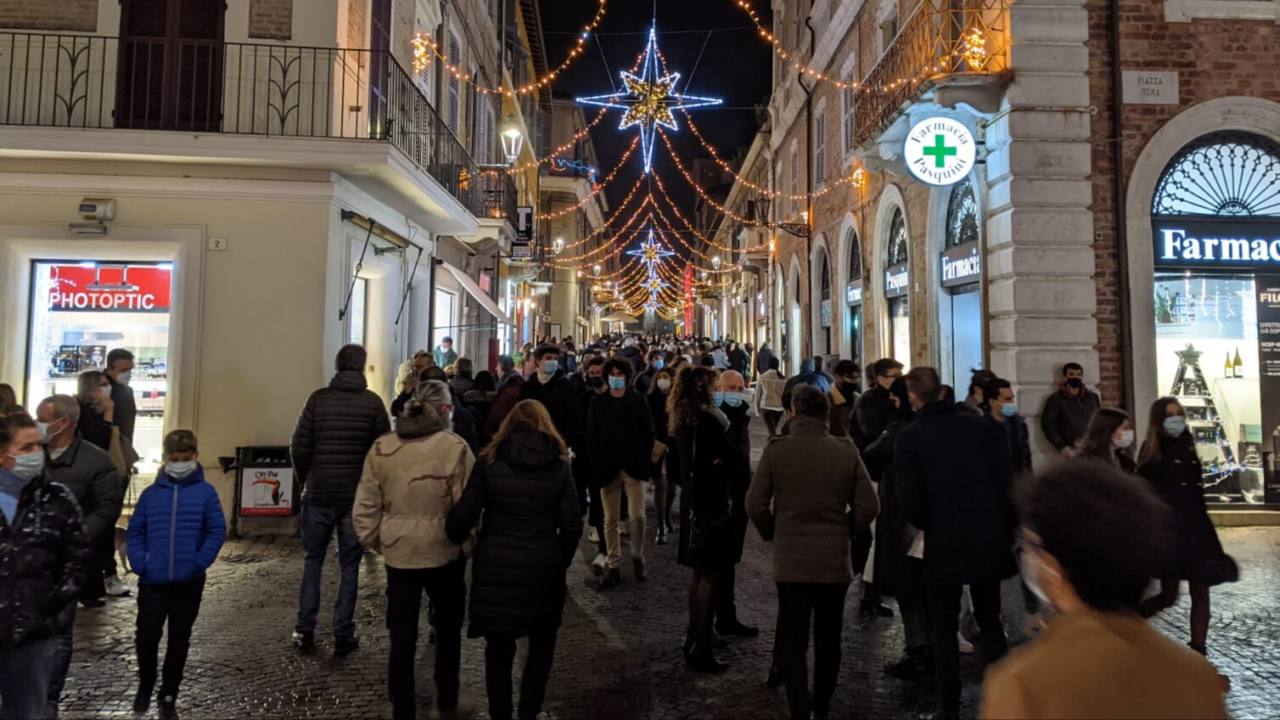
x,y
691,393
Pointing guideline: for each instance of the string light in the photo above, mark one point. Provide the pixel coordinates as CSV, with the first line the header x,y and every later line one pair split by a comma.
x,y
685,221
534,85
617,212
648,99
698,188
595,189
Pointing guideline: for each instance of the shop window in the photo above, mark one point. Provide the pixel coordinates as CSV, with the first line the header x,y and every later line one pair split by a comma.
x,y
962,215
897,287
442,322
1214,316
960,318
822,336
853,296
80,311
359,311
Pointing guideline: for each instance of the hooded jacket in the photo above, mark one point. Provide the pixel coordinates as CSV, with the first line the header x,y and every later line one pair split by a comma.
x,y
531,527
412,478
43,556
176,530
337,426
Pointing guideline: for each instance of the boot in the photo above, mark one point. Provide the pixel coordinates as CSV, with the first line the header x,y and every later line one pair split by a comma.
x,y
142,700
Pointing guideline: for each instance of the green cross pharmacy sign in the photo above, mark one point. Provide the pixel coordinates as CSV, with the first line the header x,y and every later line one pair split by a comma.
x,y
939,151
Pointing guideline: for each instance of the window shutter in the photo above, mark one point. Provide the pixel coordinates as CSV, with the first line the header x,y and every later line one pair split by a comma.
x,y
455,56
820,147
848,119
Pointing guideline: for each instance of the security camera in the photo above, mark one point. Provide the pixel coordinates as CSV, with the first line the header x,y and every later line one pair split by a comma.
x,y
98,209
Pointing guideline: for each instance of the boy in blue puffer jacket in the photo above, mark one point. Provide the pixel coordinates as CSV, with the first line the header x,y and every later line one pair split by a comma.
x,y
174,536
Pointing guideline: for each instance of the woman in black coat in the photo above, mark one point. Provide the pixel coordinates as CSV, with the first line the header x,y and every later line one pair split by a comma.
x,y
1168,461
96,409
523,498
664,483
706,525
1109,438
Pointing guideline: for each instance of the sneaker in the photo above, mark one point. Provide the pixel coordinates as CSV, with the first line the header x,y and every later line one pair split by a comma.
x,y
117,587
343,647
598,565
611,580
304,643
661,539
966,647
592,535
637,565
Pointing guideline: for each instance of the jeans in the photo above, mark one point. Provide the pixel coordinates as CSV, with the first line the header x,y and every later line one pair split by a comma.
x,y
825,603
499,656
60,661
944,623
318,525
178,604
611,494
24,680
446,589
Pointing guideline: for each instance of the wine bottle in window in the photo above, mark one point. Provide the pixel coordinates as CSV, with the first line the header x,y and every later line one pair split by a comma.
x,y
1237,366
1227,368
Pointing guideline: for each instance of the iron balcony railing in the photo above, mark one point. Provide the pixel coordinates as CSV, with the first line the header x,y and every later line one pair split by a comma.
x,y
941,38
204,86
499,195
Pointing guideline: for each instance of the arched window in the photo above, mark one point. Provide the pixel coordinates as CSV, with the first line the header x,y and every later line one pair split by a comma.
x,y
824,269
897,238
855,255
962,215
1231,174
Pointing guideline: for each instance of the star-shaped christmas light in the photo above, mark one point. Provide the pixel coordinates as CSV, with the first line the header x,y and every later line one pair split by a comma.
x,y
649,99
651,251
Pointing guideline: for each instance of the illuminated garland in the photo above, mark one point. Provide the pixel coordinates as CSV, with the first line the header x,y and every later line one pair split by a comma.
x,y
596,189
421,40
689,226
648,100
617,212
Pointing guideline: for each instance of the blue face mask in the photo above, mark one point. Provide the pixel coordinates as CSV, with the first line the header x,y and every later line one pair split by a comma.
x,y
717,398
617,383
29,466
1009,409
659,364
733,399
1174,425
550,366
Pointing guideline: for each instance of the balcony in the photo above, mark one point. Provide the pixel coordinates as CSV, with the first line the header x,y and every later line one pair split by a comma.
x,y
499,192
232,89
953,43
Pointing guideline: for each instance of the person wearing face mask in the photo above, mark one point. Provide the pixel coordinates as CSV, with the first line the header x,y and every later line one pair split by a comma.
x,y
412,479
119,371
43,554
620,440
1094,536
1067,412
734,400
174,536
1109,438
657,361
844,395
873,410
97,411
549,386
954,484
593,384
1002,409
665,473
1169,462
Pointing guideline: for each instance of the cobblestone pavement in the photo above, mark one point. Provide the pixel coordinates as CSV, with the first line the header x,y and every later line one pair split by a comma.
x,y
618,652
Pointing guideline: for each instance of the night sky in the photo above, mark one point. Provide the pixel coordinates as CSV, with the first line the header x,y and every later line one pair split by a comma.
x,y
735,66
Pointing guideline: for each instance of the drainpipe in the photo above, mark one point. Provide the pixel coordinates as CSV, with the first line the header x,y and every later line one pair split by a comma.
x,y
808,184
1121,220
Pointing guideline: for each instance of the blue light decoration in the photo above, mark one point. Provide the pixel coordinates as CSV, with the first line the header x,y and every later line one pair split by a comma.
x,y
648,100
575,168
651,253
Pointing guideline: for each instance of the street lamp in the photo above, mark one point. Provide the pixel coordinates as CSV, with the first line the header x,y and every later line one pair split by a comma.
x,y
715,262
597,270
512,140
558,246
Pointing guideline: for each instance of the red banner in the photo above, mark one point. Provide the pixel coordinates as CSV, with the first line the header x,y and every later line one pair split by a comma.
x,y
109,288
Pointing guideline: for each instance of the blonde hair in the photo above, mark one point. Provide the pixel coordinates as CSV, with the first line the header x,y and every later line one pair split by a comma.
x,y
526,414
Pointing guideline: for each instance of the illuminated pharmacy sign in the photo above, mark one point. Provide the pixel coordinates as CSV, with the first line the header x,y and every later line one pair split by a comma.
x,y
1233,244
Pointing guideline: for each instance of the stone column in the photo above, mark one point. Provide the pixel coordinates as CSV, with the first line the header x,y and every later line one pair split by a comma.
x,y
1040,261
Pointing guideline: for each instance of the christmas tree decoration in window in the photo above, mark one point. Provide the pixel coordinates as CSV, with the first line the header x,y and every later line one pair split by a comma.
x,y
647,100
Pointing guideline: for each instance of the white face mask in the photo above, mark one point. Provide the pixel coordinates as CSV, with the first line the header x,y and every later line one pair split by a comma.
x,y
180,470
664,384
122,378
1124,439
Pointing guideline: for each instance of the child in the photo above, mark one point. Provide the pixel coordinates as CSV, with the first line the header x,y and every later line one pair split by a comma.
x,y
174,536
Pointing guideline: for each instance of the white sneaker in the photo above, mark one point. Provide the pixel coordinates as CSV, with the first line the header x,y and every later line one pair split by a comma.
x,y
592,535
117,587
966,647
599,563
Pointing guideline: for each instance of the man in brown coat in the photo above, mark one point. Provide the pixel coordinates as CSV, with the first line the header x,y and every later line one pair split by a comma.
x,y
805,483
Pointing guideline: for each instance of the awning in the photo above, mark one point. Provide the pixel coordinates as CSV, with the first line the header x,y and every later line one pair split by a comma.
x,y
474,291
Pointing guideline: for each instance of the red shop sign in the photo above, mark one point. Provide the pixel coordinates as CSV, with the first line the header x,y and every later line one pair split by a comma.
x,y
109,288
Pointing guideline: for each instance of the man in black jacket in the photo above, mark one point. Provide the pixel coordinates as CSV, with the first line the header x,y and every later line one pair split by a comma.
x,y
735,403
657,361
43,551
874,409
549,386
1067,412
334,433
953,477
1002,409
620,437
87,471
593,384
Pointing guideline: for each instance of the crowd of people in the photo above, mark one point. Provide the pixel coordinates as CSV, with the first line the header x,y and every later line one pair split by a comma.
x,y
876,474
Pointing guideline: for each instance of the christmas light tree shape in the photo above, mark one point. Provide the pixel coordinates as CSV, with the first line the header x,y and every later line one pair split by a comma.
x,y
1222,471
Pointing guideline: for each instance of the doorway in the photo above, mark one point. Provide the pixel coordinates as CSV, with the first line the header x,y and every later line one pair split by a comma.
x,y
171,59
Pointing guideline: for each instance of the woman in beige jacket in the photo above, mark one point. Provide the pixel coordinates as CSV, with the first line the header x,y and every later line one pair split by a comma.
x,y
412,478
